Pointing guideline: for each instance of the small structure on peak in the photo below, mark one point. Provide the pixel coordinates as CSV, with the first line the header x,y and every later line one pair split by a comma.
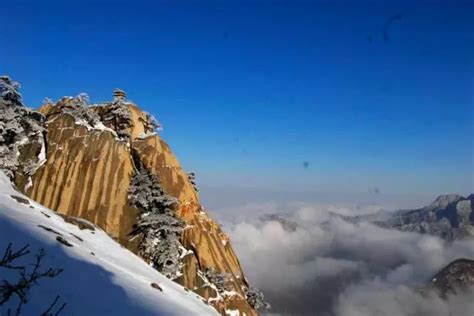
x,y
119,94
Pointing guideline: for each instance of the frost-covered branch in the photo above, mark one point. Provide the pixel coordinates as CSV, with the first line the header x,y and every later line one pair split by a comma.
x,y
256,299
151,124
83,99
118,117
19,126
10,92
47,101
83,114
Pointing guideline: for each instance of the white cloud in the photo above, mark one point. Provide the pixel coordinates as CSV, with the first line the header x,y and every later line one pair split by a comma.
x,y
327,265
379,298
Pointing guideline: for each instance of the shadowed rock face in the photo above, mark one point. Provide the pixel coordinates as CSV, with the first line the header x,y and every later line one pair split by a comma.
x,y
456,276
87,174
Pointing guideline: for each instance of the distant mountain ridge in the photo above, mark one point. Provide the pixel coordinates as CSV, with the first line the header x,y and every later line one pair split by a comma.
x,y
449,216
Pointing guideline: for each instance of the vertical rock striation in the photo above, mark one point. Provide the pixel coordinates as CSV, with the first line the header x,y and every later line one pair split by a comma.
x,y
92,153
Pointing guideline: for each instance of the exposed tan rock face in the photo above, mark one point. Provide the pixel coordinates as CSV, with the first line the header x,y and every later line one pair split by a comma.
x,y
86,175
88,172
203,235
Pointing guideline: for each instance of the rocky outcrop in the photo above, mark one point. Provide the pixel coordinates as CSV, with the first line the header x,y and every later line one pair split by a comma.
x,y
456,276
92,153
86,175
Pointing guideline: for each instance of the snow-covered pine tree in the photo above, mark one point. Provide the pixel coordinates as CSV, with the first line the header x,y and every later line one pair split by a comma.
x,y
9,92
157,225
151,124
118,116
83,98
256,299
19,126
47,101
81,111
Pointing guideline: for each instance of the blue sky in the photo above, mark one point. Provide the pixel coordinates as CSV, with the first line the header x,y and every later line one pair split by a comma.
x,y
249,91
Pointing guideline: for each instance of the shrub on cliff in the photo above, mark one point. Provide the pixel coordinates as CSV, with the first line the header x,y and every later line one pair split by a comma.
x,y
192,179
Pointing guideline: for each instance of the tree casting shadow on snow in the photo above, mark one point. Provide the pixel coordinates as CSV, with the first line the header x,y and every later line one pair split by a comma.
x,y
27,275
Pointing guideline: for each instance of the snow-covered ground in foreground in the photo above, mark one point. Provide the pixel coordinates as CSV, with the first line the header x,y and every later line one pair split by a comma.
x,y
99,278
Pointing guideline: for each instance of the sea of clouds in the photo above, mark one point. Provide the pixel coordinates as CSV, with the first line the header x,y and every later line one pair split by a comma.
x,y
314,260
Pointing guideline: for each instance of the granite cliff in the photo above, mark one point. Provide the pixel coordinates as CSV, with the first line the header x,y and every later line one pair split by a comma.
x,y
79,159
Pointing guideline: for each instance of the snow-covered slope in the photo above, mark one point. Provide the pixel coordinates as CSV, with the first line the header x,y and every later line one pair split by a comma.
x,y
99,276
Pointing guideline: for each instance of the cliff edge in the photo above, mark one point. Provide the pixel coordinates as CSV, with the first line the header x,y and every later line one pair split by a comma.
x,y
107,164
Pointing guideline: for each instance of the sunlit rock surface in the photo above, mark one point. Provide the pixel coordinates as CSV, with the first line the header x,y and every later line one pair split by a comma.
x,y
91,156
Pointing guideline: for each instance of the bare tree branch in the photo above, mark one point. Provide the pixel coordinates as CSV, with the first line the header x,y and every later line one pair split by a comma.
x,y
9,256
29,275
49,312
